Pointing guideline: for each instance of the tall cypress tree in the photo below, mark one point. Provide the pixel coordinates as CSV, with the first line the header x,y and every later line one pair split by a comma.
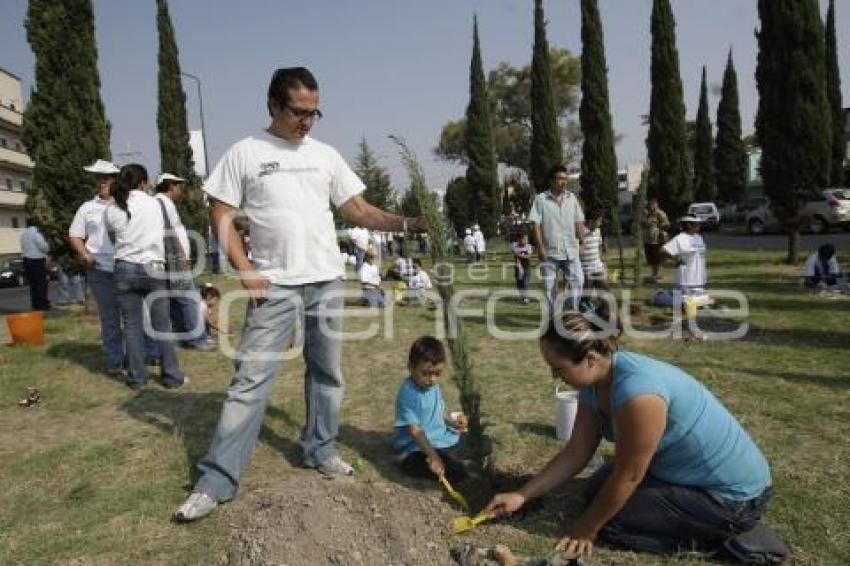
x,y
175,153
703,149
666,143
730,154
793,123
546,150
598,160
456,205
482,177
833,93
65,126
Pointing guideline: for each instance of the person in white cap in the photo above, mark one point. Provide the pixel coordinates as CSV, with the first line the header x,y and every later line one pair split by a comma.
x,y
469,245
87,237
688,250
184,305
480,243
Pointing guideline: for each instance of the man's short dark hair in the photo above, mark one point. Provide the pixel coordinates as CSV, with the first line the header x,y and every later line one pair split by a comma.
x,y
557,169
427,349
288,78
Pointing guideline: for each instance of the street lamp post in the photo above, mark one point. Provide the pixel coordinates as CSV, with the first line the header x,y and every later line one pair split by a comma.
x,y
203,128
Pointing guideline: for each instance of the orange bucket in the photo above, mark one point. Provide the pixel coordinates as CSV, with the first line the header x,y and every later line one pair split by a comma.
x,y
26,328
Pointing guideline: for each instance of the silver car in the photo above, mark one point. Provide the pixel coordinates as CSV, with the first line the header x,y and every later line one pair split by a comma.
x,y
831,209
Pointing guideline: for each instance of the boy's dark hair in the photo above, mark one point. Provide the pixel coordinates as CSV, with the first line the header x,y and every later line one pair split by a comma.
x,y
826,251
596,214
289,78
426,349
208,291
557,169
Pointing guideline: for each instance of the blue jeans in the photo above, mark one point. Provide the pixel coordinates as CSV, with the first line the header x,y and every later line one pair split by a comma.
x,y
184,317
72,287
573,276
266,332
133,283
102,285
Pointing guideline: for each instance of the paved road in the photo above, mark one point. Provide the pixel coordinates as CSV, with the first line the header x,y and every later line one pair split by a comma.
x,y
17,299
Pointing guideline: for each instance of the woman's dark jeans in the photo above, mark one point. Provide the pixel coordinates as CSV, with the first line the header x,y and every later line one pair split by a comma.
x,y
662,517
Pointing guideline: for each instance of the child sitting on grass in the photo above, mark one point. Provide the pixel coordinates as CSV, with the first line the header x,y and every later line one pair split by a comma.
x,y
208,311
427,439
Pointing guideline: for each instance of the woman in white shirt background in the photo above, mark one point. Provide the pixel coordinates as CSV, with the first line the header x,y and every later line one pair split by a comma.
x,y
135,225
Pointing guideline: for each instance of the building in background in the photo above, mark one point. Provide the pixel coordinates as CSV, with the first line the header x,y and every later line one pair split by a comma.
x,y
15,165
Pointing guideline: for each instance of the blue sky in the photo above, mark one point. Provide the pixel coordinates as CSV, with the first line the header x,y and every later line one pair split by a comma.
x,y
386,66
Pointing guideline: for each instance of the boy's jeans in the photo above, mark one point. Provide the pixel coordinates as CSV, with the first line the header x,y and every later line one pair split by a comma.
x,y
102,285
133,283
267,330
573,276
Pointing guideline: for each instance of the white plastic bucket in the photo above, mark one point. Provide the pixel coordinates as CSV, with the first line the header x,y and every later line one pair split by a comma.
x,y
566,406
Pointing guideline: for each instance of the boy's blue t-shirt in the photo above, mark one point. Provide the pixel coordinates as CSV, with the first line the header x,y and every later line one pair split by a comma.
x,y
703,444
424,408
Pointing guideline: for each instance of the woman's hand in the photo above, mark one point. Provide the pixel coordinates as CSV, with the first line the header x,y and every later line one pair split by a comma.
x,y
575,545
504,504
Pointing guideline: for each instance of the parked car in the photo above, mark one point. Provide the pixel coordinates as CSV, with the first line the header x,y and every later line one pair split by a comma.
x,y
707,213
12,274
831,209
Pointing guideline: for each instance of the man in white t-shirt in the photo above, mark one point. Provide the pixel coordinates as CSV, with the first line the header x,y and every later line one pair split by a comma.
x,y
284,182
370,282
360,239
469,245
87,237
689,251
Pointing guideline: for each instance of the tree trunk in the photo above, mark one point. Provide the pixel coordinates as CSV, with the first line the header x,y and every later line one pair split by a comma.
x,y
793,246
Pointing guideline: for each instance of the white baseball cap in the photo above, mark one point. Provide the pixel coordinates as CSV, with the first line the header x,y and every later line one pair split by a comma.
x,y
101,167
169,177
690,218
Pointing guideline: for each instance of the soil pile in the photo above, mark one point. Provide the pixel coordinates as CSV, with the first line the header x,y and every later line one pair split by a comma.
x,y
311,520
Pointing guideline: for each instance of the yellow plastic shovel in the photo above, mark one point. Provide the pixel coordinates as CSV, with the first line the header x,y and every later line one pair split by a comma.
x,y
466,523
454,494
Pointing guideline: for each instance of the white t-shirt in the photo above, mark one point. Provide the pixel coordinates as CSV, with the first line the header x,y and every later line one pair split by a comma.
x,y
139,239
469,243
360,237
88,224
591,262
420,280
690,248
33,244
811,262
176,223
285,189
478,236
369,274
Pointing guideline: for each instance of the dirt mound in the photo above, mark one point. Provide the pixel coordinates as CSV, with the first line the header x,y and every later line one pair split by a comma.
x,y
311,520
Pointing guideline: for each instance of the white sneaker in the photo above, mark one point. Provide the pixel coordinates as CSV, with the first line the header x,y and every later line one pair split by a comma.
x,y
335,466
197,506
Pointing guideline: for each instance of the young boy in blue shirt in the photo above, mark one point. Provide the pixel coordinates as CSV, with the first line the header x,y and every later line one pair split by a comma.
x,y
427,438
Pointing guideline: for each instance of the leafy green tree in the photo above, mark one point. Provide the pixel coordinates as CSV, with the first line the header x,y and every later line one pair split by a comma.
x,y
833,93
174,149
509,88
482,177
64,128
730,152
666,143
704,189
793,120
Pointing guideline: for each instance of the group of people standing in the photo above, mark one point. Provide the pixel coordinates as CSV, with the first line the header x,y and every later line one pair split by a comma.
x,y
122,236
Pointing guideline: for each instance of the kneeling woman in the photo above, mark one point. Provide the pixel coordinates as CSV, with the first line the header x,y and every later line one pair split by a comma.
x,y
686,475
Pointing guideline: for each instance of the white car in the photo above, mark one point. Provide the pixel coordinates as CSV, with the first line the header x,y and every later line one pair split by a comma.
x,y
830,209
707,213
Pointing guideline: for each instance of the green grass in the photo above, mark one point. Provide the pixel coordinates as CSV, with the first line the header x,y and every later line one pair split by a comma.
x,y
94,472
